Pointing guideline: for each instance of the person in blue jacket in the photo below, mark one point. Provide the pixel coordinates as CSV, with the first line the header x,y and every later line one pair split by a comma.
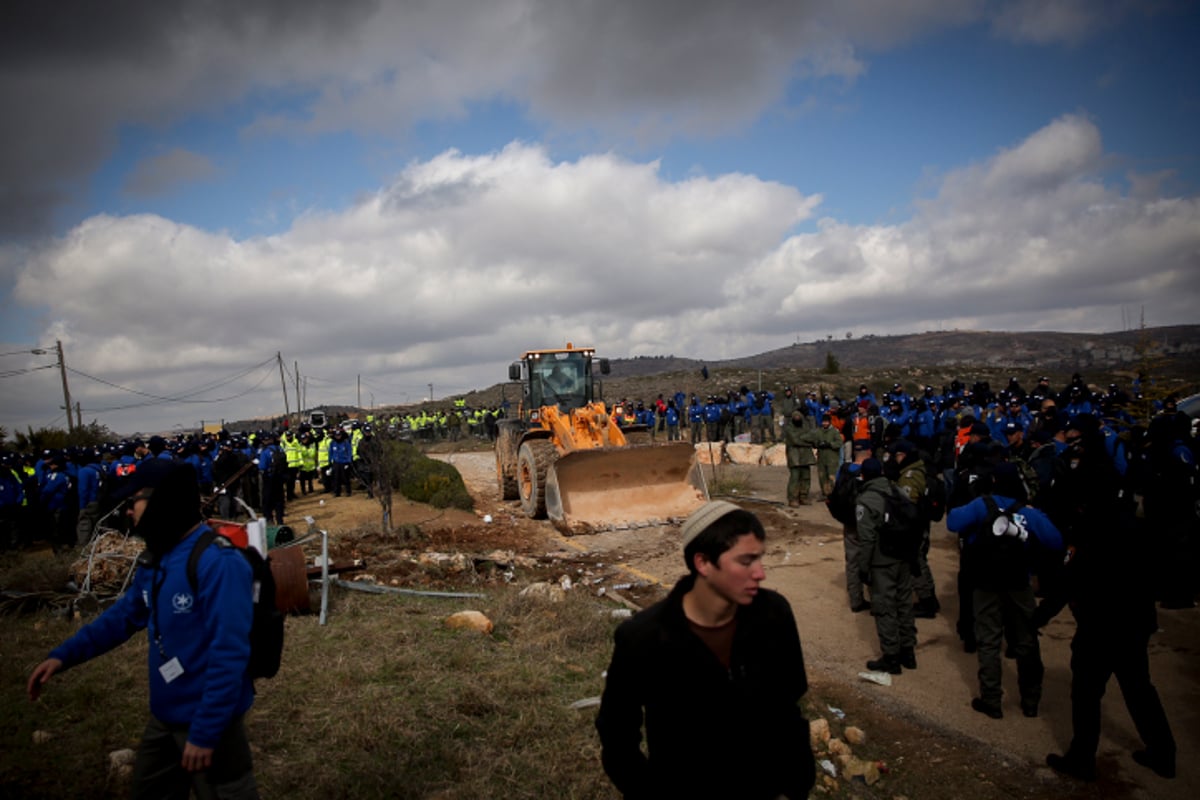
x,y
199,652
1000,535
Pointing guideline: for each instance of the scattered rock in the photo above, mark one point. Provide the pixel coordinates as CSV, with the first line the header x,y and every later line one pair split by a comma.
x,y
544,591
775,456
470,620
854,735
829,782
837,747
828,766
747,454
710,452
120,765
818,732
858,768
41,737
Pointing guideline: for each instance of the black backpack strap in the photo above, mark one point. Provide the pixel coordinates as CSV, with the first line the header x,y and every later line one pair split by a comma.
x,y
193,565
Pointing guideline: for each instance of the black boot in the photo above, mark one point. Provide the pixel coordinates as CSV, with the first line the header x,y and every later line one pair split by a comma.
x,y
926,608
1163,765
908,658
886,663
1073,766
990,710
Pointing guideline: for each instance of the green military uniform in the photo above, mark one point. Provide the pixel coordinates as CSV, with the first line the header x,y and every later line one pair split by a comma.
x,y
800,439
829,451
890,580
912,482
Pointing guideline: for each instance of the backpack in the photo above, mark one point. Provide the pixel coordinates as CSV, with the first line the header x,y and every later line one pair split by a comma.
x,y
903,528
266,629
932,502
998,549
844,497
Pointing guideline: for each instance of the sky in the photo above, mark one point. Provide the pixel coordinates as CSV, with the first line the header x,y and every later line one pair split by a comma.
x,y
399,198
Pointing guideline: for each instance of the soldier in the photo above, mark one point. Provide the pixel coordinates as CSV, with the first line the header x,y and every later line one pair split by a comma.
x,y
829,454
887,571
800,438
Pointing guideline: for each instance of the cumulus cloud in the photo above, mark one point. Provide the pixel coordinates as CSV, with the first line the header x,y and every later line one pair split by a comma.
x,y
76,72
1052,21
463,261
162,173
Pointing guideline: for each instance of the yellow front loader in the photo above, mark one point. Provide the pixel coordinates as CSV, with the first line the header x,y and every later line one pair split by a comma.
x,y
565,457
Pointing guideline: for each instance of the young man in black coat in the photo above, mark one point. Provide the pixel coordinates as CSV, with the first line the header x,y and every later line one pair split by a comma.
x,y
716,667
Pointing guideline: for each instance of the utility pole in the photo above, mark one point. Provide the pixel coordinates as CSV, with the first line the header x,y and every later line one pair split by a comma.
x,y
78,416
283,383
62,368
431,392
358,402
299,405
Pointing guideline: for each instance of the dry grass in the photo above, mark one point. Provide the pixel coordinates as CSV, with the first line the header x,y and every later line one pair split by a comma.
x,y
383,702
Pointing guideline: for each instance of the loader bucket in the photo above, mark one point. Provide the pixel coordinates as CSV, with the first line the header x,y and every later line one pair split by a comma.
x,y
622,487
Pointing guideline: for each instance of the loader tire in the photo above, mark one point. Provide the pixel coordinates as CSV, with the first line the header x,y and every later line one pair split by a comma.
x,y
507,437
533,460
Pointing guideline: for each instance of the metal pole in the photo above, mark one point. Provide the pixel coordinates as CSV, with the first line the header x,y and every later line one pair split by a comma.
x,y
299,406
283,383
62,368
358,402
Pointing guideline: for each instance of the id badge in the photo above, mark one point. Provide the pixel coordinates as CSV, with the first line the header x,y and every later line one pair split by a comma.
x,y
171,670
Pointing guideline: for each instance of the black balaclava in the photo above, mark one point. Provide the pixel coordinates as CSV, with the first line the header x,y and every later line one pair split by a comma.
x,y
172,510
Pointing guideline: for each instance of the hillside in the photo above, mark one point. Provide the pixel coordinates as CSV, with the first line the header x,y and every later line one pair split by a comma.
x,y
1044,351
1170,354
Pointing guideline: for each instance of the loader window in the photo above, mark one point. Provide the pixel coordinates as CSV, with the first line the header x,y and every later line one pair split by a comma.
x,y
563,383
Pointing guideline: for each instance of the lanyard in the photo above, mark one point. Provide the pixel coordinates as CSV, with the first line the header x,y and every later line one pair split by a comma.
x,y
156,581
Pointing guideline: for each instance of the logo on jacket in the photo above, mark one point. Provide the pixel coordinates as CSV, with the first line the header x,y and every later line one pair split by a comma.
x,y
182,603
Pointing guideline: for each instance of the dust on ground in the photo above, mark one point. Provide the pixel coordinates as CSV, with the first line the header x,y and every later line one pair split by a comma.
x,y
922,725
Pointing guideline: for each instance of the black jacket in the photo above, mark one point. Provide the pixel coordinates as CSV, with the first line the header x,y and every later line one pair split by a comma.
x,y
710,732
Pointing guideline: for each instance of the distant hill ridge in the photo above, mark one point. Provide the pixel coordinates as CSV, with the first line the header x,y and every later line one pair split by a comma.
x,y
1045,350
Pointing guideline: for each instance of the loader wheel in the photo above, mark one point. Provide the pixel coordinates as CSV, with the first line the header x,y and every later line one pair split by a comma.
x,y
507,437
534,458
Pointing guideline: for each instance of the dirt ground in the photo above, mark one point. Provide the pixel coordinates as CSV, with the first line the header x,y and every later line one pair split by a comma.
x,y
924,716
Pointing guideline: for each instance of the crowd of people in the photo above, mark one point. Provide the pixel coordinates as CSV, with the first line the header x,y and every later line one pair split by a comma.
x,y
1057,498
62,495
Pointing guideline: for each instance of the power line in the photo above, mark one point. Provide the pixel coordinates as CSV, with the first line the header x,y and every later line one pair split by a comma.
x,y
191,402
12,373
184,397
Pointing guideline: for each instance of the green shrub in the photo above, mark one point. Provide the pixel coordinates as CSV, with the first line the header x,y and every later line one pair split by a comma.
x,y
424,480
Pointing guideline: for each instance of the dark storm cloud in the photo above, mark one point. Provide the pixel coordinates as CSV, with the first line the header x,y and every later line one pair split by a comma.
x,y
72,72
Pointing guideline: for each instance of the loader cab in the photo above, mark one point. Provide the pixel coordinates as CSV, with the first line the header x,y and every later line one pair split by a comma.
x,y
561,378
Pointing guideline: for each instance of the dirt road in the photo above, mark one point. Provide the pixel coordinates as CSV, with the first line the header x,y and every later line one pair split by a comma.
x,y
805,562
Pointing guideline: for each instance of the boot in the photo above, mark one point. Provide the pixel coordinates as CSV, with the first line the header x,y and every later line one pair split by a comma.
x,y
926,608
1073,766
1162,765
886,663
990,710
908,658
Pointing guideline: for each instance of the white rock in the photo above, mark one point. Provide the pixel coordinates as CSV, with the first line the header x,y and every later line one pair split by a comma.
x,y
121,758
544,591
470,620
750,454
775,456
710,452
